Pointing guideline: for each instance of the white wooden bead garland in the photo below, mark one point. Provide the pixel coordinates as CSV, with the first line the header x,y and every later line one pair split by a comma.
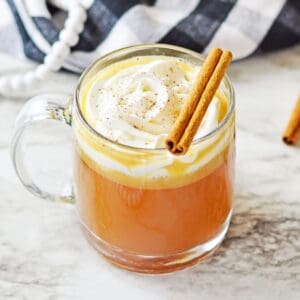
x,y
53,61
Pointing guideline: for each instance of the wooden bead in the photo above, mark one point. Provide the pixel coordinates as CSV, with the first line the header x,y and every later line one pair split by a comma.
x,y
4,84
74,25
69,37
78,13
30,79
42,72
60,49
17,82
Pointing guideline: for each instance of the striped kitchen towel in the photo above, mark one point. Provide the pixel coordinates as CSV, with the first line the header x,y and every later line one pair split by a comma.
x,y
28,28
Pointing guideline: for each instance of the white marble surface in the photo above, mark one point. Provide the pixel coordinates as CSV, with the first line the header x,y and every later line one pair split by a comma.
x,y
43,254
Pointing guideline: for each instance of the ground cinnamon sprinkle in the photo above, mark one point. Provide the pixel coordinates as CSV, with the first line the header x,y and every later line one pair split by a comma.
x,y
292,132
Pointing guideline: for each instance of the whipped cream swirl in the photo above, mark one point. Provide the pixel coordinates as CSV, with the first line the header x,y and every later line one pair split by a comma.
x,y
139,104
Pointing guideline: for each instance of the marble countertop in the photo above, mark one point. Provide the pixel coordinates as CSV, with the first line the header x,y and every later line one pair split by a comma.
x,y
43,254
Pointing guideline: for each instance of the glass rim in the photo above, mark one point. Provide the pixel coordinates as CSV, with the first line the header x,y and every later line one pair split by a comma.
x,y
138,47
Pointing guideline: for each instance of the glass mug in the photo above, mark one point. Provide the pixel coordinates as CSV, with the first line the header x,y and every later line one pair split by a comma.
x,y
136,218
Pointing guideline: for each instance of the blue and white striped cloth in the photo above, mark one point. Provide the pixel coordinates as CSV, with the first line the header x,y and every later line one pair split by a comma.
x,y
28,28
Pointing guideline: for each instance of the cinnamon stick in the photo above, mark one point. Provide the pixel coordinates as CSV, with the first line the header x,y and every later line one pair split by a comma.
x,y
184,130
292,131
191,102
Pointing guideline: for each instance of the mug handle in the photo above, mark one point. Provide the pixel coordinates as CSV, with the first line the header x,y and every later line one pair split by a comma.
x,y
44,107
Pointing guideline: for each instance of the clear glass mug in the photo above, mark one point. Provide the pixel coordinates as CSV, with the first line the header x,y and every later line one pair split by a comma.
x,y
144,210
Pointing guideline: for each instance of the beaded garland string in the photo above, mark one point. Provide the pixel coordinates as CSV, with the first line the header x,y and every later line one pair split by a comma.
x,y
53,61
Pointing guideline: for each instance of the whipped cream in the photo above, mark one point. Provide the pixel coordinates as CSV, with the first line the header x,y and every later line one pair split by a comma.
x,y
139,104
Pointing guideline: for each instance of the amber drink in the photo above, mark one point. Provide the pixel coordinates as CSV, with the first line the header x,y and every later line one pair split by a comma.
x,y
140,206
